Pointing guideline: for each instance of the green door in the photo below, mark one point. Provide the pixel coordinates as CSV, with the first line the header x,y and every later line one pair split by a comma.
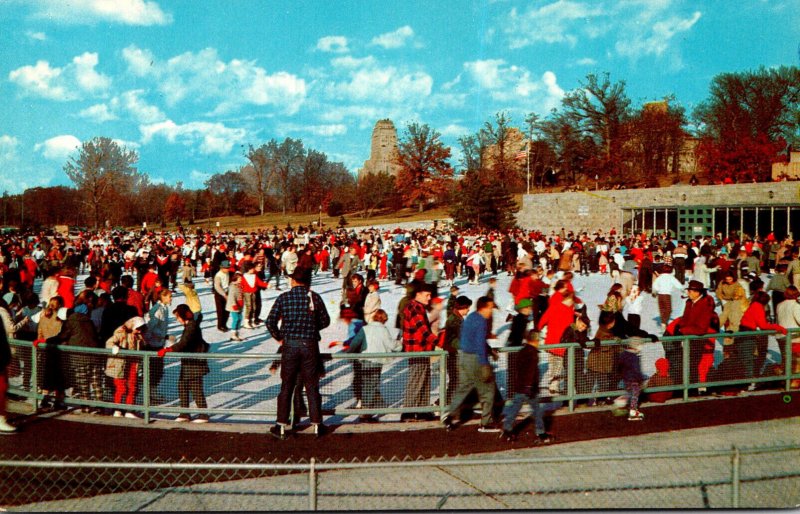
x,y
695,221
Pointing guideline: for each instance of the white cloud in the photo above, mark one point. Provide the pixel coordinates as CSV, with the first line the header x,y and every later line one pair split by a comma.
x,y
333,44
86,76
98,113
8,148
351,62
58,148
387,84
656,40
454,130
551,23
79,12
203,76
130,145
36,36
586,61
485,72
214,138
511,84
634,27
67,83
395,39
141,111
327,130
139,61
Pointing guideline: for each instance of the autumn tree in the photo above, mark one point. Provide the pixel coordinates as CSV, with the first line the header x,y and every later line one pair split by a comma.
x,y
656,134
748,119
424,168
175,207
598,109
101,167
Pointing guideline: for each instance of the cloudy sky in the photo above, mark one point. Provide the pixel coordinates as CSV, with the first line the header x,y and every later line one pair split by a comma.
x,y
189,83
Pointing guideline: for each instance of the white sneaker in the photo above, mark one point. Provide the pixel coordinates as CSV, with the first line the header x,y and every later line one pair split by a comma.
x,y
5,427
635,415
117,413
751,387
247,325
358,404
132,415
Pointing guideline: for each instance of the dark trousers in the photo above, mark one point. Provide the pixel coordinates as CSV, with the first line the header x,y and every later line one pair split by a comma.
x,y
156,369
222,314
299,358
191,383
680,269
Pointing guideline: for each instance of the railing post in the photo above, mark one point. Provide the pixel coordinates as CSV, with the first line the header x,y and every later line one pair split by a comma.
x,y
571,376
146,385
787,359
35,377
686,345
312,485
443,385
735,465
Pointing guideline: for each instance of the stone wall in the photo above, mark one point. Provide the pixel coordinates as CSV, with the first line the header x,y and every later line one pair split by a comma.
x,y
592,210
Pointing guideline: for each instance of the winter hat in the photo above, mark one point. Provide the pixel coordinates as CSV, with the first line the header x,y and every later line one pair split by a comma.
x,y
136,322
695,285
525,302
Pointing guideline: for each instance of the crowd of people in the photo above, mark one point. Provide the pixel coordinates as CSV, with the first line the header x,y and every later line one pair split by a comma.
x,y
125,302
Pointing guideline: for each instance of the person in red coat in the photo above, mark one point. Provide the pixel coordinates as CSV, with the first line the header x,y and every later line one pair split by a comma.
x,y
557,318
755,318
697,319
66,287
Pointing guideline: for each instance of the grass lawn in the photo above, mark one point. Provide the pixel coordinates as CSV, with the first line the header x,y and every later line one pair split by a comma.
x,y
354,219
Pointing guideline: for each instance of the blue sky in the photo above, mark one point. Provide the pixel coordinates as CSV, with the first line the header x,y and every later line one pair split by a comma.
x,y
189,83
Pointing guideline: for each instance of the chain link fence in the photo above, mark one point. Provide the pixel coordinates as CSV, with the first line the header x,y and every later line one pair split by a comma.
x,y
752,478
244,386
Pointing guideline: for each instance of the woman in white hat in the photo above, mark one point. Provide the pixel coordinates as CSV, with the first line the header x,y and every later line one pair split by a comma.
x,y
124,370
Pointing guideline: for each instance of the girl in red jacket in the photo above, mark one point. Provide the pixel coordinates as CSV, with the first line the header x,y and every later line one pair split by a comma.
x,y
755,318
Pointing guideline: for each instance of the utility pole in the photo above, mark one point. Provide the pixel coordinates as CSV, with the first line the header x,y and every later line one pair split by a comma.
x,y
531,120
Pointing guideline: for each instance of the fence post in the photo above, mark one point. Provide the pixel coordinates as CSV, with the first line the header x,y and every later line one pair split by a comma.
x,y
35,377
735,464
571,377
686,346
146,385
312,485
443,384
787,359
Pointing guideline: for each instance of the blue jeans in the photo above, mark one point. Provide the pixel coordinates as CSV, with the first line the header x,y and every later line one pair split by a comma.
x,y
299,358
511,411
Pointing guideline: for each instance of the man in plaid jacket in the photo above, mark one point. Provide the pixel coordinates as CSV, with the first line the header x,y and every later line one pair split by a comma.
x,y
418,337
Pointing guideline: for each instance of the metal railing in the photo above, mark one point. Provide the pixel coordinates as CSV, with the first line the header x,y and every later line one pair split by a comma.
x,y
242,384
765,477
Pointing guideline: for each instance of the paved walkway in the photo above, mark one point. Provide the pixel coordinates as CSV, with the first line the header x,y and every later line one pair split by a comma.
x,y
766,420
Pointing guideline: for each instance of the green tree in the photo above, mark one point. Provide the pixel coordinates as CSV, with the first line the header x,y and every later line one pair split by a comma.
x,y
374,190
258,173
425,172
484,204
101,167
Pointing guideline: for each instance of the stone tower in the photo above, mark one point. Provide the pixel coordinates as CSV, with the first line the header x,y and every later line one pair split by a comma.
x,y
383,150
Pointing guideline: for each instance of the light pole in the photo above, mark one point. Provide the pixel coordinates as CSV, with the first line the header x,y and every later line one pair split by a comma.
x,y
531,119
